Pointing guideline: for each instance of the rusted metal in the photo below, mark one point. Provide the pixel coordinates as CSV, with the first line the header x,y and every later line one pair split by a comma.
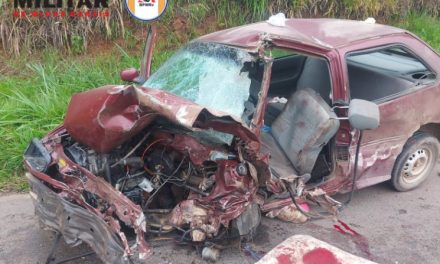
x,y
75,223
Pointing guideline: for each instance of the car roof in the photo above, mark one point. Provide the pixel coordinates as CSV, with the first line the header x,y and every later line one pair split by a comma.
x,y
322,33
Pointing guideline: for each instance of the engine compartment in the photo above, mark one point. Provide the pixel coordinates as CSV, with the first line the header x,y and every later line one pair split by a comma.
x,y
195,175
192,182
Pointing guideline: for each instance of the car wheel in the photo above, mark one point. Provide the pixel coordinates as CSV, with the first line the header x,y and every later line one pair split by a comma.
x,y
416,162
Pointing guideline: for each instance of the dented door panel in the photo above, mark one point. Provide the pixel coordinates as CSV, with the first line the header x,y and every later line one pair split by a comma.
x,y
401,117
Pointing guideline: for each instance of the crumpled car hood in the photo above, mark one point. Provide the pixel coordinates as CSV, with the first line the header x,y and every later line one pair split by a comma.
x,y
105,117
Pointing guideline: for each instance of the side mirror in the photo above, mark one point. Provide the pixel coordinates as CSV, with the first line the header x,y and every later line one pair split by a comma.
x,y
129,75
363,114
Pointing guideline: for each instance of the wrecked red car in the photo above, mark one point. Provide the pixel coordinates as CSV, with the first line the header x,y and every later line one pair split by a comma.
x,y
256,119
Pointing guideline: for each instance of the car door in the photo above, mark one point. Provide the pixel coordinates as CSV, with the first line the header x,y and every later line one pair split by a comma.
x,y
405,87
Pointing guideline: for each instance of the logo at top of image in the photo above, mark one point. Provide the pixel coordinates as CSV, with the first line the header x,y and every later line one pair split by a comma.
x,y
146,10
60,8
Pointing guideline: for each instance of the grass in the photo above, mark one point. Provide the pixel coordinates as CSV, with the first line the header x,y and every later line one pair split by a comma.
x,y
32,34
33,100
19,35
35,91
424,26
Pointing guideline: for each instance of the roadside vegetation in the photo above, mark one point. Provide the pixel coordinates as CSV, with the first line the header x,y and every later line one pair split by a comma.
x,y
34,94
77,34
36,84
424,26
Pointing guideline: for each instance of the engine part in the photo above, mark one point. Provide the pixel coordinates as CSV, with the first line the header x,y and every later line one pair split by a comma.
x,y
77,154
134,162
107,171
241,169
87,158
248,221
207,183
135,195
132,150
218,155
130,181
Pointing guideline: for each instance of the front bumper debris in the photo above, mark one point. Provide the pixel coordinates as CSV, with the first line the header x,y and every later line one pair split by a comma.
x,y
75,223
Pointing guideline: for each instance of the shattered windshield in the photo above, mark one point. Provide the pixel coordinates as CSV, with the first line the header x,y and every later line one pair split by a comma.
x,y
209,74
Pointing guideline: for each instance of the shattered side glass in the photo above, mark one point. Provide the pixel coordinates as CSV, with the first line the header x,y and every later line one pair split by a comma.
x,y
209,74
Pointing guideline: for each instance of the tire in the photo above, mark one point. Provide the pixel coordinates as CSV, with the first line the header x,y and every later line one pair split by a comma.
x,y
416,162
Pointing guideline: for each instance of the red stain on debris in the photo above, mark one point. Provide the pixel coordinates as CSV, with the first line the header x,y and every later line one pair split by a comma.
x,y
320,256
284,259
360,241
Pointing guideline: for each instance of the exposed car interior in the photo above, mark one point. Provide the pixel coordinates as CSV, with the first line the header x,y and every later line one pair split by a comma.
x,y
299,122
298,115
291,73
382,74
299,133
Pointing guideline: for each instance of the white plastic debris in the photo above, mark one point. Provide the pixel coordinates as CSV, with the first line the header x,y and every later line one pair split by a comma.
x,y
277,99
370,20
278,20
146,185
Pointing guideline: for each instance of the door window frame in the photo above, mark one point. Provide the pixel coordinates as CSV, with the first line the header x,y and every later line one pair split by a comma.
x,y
387,46
321,56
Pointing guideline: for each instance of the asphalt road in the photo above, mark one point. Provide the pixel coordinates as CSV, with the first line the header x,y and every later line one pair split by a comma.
x,y
395,227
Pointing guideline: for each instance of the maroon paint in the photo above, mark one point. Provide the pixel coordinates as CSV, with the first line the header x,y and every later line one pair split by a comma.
x,y
129,75
401,117
318,33
106,117
333,39
186,144
102,120
231,191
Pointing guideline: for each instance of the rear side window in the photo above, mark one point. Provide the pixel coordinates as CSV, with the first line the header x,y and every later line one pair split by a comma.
x,y
384,74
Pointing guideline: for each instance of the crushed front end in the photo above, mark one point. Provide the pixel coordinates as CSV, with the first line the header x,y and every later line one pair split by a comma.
x,y
169,177
162,163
